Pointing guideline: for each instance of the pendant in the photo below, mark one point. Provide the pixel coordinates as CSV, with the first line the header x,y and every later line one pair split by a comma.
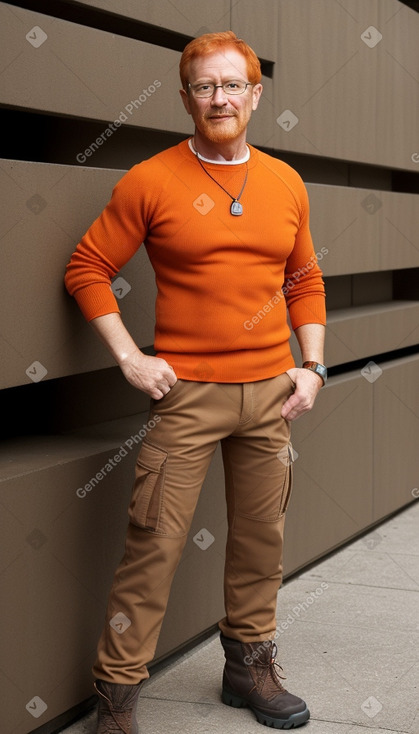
x,y
236,208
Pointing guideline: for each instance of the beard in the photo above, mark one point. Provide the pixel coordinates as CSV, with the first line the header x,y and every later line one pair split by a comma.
x,y
222,132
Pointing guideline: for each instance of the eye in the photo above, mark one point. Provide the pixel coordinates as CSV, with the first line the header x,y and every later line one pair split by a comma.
x,y
204,87
233,85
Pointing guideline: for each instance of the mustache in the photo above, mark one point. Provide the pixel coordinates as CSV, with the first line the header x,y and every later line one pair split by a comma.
x,y
221,114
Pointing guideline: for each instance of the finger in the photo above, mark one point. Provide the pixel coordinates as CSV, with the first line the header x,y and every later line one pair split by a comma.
x,y
156,394
289,414
287,408
293,414
292,400
171,376
294,407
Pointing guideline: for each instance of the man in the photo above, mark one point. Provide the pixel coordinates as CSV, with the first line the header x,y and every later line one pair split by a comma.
x,y
227,231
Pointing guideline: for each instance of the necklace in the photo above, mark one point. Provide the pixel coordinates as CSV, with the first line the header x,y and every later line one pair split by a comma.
x,y
236,208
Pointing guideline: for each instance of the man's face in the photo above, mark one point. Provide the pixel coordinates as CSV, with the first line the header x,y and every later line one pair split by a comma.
x,y
221,118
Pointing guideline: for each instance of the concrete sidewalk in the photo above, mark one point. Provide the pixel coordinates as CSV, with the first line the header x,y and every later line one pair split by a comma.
x,y
348,635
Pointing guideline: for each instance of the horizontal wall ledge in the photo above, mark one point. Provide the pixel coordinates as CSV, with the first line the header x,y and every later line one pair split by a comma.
x,y
163,23
160,24
354,333
65,140
363,230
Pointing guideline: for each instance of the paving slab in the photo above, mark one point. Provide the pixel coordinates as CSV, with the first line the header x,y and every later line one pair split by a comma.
x,y
347,604
397,534
369,568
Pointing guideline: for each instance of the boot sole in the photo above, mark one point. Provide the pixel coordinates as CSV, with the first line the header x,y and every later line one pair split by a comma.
x,y
231,699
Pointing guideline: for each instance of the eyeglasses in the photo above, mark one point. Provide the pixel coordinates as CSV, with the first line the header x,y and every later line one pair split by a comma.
x,y
207,89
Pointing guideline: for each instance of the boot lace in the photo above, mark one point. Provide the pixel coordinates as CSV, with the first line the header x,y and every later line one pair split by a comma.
x,y
114,722
268,675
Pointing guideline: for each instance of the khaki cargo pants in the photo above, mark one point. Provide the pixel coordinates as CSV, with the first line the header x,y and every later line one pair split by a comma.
x,y
171,467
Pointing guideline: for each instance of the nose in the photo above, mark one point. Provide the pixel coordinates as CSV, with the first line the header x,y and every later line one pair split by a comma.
x,y
219,98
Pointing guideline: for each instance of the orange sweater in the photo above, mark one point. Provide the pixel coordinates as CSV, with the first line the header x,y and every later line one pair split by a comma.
x,y
223,282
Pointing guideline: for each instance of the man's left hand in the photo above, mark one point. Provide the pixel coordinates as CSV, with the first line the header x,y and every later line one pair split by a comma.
x,y
307,385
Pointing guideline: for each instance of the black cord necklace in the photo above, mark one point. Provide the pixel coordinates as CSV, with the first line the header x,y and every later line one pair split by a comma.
x,y
236,208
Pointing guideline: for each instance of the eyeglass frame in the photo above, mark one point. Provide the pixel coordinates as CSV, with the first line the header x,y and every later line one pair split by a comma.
x,y
221,86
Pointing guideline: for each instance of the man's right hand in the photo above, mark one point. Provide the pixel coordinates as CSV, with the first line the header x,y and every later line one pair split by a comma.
x,y
152,375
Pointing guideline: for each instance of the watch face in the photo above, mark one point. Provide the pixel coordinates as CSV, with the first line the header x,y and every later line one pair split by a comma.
x,y
322,371
319,369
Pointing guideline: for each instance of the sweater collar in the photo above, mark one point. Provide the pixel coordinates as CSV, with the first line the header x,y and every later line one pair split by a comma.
x,y
220,163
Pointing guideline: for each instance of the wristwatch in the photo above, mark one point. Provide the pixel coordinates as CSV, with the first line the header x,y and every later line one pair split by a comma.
x,y
319,369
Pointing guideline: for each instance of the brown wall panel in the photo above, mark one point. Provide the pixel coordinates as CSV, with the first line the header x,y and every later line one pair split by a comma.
x,y
399,247
396,435
87,73
348,74
47,210
261,126
332,488
58,571
258,24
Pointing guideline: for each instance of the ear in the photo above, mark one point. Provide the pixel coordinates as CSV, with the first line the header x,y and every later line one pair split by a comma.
x,y
256,94
185,99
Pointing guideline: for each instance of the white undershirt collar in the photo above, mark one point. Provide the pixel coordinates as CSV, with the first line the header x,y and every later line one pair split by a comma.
x,y
221,163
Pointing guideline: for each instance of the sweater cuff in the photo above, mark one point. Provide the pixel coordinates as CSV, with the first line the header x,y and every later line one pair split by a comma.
x,y
313,312
96,300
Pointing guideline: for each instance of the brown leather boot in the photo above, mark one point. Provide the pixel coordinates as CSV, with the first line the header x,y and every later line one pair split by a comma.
x,y
117,704
251,678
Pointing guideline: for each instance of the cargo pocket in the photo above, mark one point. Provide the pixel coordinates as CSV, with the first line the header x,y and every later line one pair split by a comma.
x,y
147,495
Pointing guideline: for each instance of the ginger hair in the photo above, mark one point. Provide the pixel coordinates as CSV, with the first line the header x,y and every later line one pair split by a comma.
x,y
212,42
